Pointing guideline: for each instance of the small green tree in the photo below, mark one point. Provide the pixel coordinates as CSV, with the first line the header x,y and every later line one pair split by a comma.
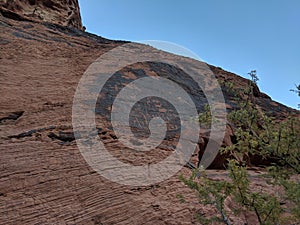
x,y
256,134
214,192
297,90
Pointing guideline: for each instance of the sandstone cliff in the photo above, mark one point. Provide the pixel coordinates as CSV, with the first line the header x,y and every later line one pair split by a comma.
x,y
44,179
62,12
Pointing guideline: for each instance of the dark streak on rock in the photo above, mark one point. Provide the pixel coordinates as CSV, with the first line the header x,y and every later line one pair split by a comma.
x,y
62,136
12,15
30,132
12,116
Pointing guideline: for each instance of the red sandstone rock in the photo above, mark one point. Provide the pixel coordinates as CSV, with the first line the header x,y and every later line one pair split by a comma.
x,y
62,12
44,178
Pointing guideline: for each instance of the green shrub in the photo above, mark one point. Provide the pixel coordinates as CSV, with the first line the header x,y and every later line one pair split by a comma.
x,y
256,134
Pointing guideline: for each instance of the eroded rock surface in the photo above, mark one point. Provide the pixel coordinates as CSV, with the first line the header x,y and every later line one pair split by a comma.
x,y
62,12
44,179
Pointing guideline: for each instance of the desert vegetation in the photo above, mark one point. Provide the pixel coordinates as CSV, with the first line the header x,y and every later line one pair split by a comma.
x,y
257,134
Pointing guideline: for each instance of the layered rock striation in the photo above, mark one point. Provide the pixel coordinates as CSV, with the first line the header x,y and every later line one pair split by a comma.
x,y
44,179
62,12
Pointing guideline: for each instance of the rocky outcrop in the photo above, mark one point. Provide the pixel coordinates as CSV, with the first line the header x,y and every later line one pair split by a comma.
x,y
62,12
44,179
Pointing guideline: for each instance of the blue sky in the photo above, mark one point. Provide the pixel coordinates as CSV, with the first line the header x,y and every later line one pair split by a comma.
x,y
238,36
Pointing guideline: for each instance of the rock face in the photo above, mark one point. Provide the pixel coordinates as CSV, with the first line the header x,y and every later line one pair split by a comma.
x,y
62,12
44,179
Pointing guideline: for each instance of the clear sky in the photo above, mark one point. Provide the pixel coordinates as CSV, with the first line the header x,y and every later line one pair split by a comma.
x,y
237,35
